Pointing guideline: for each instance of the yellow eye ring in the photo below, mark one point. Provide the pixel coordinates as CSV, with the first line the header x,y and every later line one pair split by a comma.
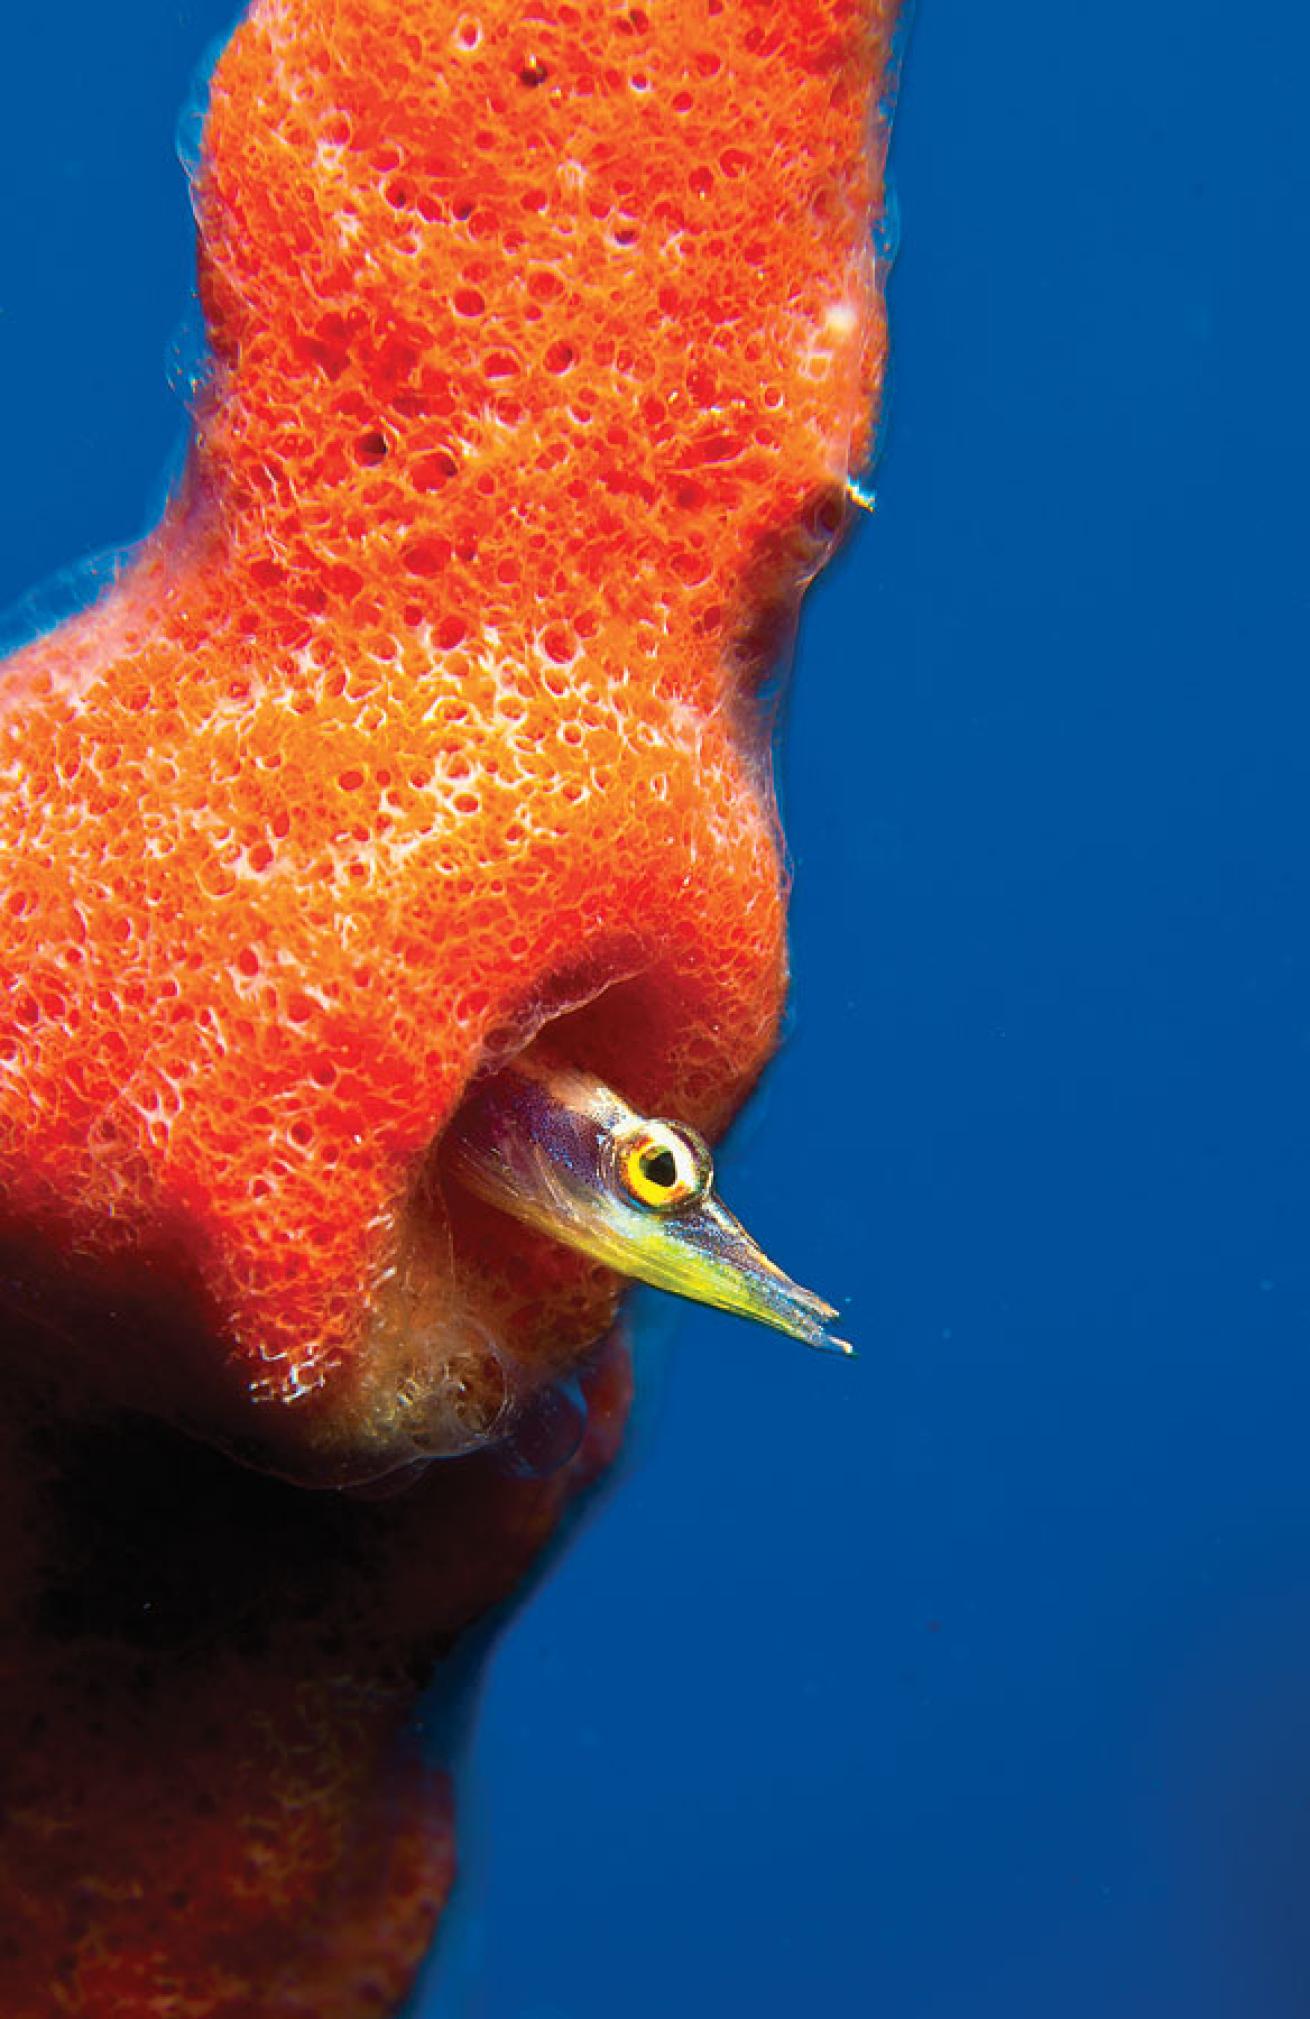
x,y
662,1166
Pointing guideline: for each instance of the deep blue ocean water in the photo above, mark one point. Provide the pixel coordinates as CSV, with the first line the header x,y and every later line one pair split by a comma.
x,y
972,1679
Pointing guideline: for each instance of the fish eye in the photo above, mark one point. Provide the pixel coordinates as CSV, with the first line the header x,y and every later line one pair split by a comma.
x,y
662,1166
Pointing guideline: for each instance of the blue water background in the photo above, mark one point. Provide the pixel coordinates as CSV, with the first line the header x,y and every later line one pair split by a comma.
x,y
973,1679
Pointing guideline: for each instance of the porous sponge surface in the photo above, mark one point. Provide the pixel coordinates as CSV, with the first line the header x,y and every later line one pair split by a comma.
x,y
545,337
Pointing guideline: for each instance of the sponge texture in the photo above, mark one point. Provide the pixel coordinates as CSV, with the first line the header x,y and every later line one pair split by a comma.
x,y
544,339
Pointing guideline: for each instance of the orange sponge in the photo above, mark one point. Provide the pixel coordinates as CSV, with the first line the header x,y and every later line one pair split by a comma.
x,y
545,337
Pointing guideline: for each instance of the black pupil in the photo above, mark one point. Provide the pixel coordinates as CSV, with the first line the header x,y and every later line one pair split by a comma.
x,y
659,1167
